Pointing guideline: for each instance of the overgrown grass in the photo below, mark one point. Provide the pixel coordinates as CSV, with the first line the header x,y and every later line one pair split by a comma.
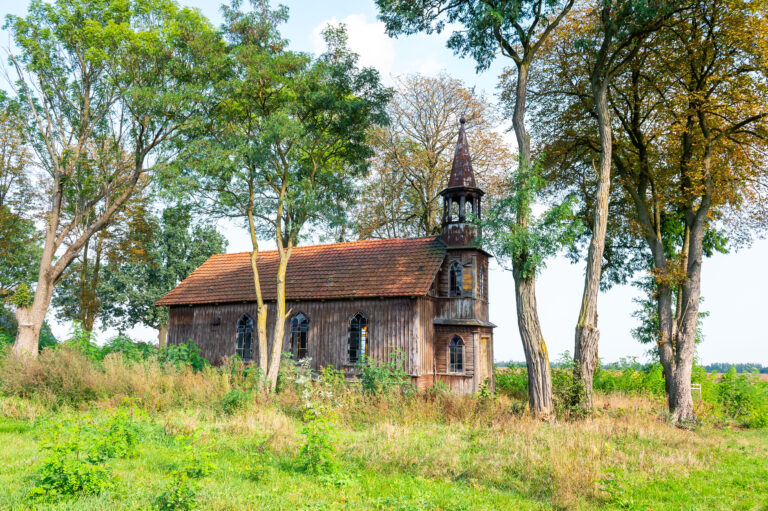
x,y
170,437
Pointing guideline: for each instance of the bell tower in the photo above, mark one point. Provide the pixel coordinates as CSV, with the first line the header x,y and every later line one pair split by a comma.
x,y
461,198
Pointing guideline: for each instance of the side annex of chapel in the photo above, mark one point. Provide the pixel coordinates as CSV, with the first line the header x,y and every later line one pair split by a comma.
x,y
425,297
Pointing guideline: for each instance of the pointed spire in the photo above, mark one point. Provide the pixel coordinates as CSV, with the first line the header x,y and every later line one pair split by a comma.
x,y
461,171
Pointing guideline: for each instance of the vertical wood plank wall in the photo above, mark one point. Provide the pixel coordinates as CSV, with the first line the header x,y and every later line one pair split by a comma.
x,y
392,325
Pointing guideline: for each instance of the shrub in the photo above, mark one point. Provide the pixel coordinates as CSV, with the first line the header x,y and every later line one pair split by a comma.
x,y
186,354
234,400
376,378
132,351
318,454
744,398
66,472
179,495
512,382
119,436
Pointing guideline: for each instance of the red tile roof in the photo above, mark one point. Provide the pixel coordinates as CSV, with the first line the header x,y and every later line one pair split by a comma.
x,y
392,267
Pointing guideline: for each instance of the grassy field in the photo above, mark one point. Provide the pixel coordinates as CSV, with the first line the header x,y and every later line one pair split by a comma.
x,y
203,440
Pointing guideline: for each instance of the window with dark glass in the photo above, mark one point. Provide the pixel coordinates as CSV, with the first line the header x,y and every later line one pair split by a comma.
x,y
245,338
358,338
455,287
299,329
456,355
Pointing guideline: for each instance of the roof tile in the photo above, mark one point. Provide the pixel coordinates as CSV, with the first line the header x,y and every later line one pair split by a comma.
x,y
391,267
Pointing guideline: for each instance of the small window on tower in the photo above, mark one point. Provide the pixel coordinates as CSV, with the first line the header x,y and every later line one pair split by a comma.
x,y
454,211
455,284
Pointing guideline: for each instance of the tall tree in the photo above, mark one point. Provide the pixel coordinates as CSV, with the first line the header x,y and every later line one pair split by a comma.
x,y
147,265
286,137
515,29
413,156
607,44
688,154
108,84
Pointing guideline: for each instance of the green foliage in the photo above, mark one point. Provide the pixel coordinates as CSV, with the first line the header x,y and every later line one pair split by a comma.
x,y
630,377
744,398
130,350
185,354
383,378
234,400
22,296
180,494
484,392
526,246
512,381
318,453
77,453
64,473
175,244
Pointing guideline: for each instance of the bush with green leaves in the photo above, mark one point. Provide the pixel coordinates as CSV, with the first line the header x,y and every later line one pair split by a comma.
x,y
180,494
235,400
185,354
743,398
129,349
318,453
69,470
382,378
512,381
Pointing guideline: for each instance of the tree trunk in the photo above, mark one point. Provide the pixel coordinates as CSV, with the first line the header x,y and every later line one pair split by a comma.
x,y
587,333
30,319
162,336
280,316
540,399
536,357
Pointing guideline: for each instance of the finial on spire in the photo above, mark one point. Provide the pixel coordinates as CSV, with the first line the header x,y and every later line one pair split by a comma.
x,y
462,120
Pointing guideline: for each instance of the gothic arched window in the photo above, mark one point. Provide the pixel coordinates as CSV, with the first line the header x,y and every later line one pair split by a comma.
x,y
299,331
358,338
456,355
245,338
455,285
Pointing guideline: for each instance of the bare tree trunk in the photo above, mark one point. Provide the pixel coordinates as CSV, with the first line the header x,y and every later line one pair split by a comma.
x,y
162,335
261,309
540,399
30,319
536,357
280,316
587,333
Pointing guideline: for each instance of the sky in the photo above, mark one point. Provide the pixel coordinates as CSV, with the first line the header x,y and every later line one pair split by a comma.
x,y
733,285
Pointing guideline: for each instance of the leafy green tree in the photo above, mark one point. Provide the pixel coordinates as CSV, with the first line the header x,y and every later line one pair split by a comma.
x,y
107,85
177,246
284,139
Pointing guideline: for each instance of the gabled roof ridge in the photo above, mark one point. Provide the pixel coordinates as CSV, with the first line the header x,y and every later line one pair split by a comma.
x,y
337,243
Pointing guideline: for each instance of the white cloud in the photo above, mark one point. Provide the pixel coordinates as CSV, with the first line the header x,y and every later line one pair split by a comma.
x,y
366,39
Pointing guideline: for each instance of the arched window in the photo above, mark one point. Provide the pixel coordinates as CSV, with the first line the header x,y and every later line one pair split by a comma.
x,y
456,355
358,338
455,214
299,329
245,338
455,287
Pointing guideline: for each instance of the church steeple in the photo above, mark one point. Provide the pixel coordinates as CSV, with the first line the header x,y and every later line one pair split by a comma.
x,y
461,198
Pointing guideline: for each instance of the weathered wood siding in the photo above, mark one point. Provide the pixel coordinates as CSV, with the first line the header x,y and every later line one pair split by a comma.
x,y
473,304
393,324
